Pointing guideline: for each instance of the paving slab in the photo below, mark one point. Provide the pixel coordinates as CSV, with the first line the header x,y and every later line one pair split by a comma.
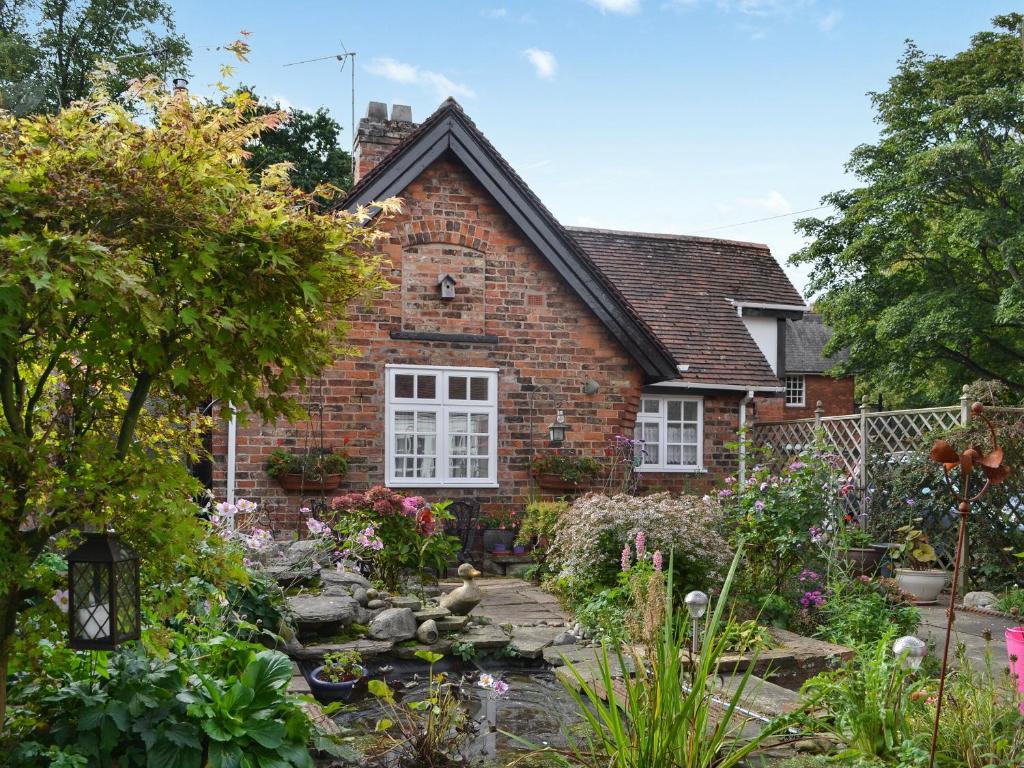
x,y
970,629
434,612
530,642
368,649
484,638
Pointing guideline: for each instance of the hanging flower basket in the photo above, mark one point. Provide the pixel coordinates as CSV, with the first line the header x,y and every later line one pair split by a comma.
x,y
315,471
298,482
556,483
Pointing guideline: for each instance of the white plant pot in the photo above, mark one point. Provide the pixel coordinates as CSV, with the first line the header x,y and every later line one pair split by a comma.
x,y
923,586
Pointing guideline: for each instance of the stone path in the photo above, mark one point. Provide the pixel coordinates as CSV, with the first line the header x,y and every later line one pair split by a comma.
x,y
969,629
514,601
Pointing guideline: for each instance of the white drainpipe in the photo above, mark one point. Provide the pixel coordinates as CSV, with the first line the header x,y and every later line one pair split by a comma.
x,y
232,439
743,441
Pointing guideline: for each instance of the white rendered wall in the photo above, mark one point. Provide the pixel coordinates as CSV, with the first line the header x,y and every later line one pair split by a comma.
x,y
765,332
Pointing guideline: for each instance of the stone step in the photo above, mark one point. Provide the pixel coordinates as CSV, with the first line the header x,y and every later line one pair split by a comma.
x,y
530,642
406,601
368,649
435,613
759,695
452,624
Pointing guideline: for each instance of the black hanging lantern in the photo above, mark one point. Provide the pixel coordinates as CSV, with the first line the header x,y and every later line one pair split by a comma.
x,y
558,429
103,594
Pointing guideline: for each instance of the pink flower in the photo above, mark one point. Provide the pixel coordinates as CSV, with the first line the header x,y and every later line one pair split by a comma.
x,y
245,506
500,687
641,544
759,505
317,528
626,555
657,560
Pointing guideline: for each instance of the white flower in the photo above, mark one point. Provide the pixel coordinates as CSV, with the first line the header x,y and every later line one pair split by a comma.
x,y
60,597
485,681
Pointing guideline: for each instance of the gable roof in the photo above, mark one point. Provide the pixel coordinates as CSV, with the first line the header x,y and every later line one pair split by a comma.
x,y
683,285
805,340
449,130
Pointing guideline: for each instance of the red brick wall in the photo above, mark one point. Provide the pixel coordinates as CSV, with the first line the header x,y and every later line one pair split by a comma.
x,y
836,396
547,338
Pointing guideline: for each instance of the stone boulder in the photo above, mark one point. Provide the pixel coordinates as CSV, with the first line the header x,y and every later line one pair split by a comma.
x,y
342,582
980,600
322,614
394,624
304,552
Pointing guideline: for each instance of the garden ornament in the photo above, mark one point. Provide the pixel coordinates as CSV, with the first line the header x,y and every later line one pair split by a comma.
x,y
992,467
462,600
912,649
696,605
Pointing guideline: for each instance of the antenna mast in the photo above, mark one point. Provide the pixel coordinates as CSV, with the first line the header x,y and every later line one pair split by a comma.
x,y
345,56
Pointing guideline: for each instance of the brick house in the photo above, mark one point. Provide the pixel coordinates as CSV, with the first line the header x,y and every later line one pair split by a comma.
x,y
501,318
806,380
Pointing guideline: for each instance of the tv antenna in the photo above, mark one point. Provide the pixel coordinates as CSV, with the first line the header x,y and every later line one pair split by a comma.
x,y
344,57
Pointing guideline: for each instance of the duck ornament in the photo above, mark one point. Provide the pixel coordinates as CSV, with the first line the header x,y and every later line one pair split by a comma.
x,y
461,600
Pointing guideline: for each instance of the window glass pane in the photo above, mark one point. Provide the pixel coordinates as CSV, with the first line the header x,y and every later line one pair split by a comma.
x,y
674,434
457,467
673,455
690,433
478,388
458,422
690,410
456,387
479,445
426,422
404,385
478,468
690,455
426,446
404,421
649,405
650,433
426,387
403,444
478,423
675,409
458,444
651,453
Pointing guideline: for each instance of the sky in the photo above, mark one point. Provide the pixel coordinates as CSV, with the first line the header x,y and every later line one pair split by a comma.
x,y
678,116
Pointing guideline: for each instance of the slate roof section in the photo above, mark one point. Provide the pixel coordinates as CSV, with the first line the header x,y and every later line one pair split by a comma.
x,y
805,340
449,130
682,285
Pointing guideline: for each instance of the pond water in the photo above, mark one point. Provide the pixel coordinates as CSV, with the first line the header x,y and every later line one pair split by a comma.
x,y
536,707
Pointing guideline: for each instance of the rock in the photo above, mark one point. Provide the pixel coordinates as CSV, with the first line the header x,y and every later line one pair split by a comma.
x,y
291,576
452,623
368,649
484,638
322,614
426,632
305,552
577,629
564,638
530,642
980,600
372,594
360,596
393,624
431,613
406,601
342,581
372,604
408,652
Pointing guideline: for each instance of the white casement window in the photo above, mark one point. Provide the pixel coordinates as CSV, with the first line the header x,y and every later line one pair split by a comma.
x,y
441,427
796,391
672,431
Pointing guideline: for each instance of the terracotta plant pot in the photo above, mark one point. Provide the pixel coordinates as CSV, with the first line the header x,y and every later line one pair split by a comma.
x,y
300,483
863,561
923,586
327,690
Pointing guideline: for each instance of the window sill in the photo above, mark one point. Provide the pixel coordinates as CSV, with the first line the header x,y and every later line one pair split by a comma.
x,y
428,484
795,405
673,470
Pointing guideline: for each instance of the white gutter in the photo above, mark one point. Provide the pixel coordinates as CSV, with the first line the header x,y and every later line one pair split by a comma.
x,y
743,441
727,387
741,305
232,440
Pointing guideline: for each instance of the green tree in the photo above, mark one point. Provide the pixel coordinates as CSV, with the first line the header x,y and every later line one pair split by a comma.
x,y
308,142
142,271
50,48
920,272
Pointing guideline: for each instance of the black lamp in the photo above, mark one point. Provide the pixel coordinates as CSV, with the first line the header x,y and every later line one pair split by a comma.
x,y
558,429
103,594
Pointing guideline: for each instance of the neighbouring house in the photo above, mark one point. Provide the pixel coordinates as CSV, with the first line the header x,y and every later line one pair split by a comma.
x,y
806,379
502,321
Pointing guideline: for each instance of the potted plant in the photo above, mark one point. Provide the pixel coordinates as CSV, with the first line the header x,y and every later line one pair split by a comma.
x,y
316,470
854,545
337,676
500,528
563,472
918,577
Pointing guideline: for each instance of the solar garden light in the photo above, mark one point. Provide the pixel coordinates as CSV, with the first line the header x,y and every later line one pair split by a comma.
x,y
696,605
911,650
103,594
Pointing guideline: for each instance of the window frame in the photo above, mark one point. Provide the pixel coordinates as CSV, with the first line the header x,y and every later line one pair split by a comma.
x,y
662,420
803,390
442,406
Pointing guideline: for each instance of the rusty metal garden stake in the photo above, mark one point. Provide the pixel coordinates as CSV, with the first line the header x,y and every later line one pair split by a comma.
x,y
991,465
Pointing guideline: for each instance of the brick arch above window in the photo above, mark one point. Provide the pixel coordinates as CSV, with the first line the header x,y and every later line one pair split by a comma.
x,y
446,232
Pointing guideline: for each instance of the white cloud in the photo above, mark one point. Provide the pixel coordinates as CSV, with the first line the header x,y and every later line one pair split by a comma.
x,y
771,204
763,8
616,6
282,102
544,63
495,13
829,21
400,72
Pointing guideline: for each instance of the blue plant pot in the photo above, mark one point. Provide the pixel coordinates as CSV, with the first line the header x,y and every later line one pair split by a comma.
x,y
325,690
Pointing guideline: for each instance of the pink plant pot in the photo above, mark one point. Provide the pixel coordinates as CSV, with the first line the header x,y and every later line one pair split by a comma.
x,y
1015,652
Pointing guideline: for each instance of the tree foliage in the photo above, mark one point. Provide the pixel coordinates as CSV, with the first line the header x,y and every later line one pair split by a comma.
x,y
142,271
920,272
308,142
49,49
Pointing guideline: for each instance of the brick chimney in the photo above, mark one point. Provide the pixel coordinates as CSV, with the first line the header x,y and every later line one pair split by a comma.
x,y
377,135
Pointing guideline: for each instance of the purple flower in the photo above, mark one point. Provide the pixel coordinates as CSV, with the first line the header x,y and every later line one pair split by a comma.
x,y
764,486
911,502
797,465
317,528
657,560
724,493
814,598
625,557
759,505
808,575
817,535
641,544
500,687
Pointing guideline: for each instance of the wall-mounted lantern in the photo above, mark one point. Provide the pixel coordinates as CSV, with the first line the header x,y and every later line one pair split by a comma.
x,y
103,594
558,429
446,285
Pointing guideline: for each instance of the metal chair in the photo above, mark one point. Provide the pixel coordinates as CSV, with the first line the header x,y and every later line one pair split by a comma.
x,y
465,514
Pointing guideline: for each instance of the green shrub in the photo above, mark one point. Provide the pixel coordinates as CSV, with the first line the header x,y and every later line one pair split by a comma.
x,y
1012,601
858,612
